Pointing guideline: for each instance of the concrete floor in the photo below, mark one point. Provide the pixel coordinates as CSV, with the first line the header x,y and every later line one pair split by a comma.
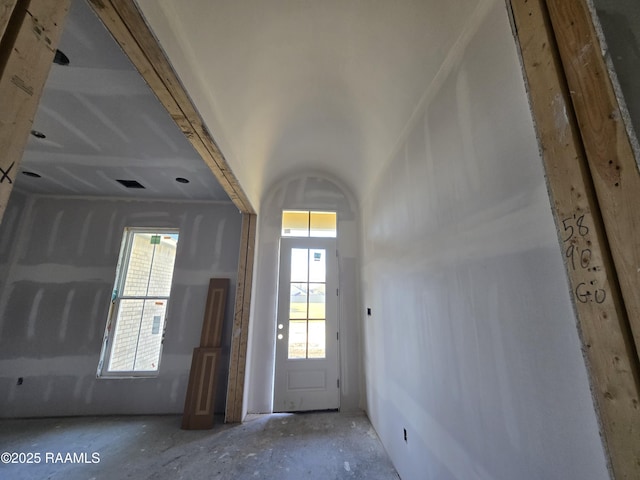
x,y
327,445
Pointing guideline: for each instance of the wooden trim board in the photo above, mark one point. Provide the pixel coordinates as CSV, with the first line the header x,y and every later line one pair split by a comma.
x,y
602,319
213,321
127,25
239,336
200,400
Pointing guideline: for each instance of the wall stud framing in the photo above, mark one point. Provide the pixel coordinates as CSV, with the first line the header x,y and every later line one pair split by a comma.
x,y
608,149
239,336
602,318
6,10
29,34
127,25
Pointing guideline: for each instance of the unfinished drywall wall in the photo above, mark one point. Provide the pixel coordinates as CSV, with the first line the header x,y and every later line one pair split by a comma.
x,y
472,346
620,22
57,264
312,192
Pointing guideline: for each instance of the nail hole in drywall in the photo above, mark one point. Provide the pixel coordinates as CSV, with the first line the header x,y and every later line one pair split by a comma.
x,y
20,381
369,312
405,434
182,180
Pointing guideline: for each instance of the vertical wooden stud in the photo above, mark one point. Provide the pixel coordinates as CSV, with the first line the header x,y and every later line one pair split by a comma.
x,y
31,33
237,365
6,10
602,318
608,149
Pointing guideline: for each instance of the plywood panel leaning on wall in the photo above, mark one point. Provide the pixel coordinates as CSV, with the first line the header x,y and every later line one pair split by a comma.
x,y
199,402
27,48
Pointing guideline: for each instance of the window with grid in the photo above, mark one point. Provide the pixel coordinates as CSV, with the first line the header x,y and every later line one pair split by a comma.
x,y
132,344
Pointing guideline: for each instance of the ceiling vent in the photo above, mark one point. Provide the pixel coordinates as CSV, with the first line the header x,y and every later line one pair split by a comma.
x,y
130,183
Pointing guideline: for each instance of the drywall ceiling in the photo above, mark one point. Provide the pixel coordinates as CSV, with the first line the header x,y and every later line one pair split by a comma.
x,y
290,86
103,123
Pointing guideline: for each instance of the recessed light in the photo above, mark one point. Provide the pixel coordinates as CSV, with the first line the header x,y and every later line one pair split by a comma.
x,y
61,59
38,134
31,174
182,180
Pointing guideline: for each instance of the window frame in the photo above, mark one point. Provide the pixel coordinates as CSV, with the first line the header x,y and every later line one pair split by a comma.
x,y
122,268
308,212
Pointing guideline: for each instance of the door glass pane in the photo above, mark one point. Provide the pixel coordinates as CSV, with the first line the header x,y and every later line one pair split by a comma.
x,y
299,264
297,339
298,300
317,300
316,339
317,265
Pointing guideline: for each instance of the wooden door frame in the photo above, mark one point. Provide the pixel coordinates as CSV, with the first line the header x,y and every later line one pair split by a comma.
x,y
23,73
332,282
589,161
127,25
594,185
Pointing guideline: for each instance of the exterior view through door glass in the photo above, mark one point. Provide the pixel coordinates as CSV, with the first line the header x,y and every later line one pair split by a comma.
x,y
306,375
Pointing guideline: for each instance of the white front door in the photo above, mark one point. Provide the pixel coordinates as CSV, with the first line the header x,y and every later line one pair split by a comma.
x,y
306,376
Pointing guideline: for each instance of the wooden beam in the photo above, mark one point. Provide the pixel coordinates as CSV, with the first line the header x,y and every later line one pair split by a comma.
x,y
239,336
602,318
127,25
125,22
609,152
31,34
6,10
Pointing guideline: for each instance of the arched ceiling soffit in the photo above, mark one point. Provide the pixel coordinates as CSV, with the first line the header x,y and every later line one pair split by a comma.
x,y
290,85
